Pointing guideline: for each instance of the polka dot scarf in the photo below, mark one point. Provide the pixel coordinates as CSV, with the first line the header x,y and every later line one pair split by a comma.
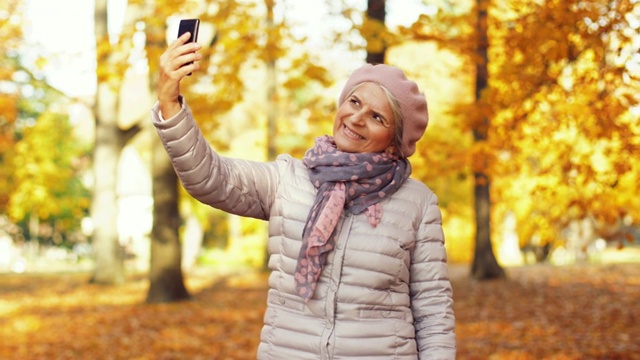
x,y
357,181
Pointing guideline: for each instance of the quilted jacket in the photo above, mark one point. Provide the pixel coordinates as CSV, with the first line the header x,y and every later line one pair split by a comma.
x,y
384,292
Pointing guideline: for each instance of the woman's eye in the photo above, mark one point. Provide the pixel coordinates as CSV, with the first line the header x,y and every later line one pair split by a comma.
x,y
380,120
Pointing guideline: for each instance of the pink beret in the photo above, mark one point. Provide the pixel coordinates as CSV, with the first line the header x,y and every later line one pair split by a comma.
x,y
413,104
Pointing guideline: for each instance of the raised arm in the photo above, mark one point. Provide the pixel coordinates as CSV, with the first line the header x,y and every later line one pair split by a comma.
x,y
241,187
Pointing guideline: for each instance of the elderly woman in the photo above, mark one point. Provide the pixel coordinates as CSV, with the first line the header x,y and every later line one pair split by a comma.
x,y
357,257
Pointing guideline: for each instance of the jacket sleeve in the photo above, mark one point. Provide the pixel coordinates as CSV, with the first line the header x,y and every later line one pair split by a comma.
x,y
236,186
431,293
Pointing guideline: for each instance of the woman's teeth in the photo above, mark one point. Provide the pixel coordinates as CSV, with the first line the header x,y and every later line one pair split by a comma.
x,y
352,134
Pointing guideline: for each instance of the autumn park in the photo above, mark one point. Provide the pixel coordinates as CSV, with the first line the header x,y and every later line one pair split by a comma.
x,y
532,147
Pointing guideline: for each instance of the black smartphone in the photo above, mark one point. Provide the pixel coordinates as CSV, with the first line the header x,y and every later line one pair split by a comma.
x,y
192,26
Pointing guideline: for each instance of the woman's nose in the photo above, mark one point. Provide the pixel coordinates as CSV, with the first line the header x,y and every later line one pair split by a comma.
x,y
358,118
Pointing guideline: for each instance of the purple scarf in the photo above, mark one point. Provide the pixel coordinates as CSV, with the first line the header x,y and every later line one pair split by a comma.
x,y
357,181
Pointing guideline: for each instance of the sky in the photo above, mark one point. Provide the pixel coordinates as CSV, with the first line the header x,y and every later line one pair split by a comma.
x,y
66,36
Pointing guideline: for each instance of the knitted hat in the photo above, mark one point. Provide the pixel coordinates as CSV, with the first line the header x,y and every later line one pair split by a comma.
x,y
413,104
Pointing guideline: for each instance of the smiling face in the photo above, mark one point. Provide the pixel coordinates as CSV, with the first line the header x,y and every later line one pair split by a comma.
x,y
365,122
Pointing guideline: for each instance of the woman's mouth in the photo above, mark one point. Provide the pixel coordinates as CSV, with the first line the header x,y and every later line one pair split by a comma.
x,y
351,134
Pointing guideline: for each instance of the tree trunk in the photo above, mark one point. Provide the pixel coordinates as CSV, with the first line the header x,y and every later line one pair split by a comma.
x,y
165,273
109,267
272,111
165,268
376,9
485,265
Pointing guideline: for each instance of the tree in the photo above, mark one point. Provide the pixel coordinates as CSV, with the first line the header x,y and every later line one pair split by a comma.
x,y
461,28
272,94
376,46
165,274
485,265
48,165
166,282
272,51
378,38
40,162
109,142
565,90
560,93
10,35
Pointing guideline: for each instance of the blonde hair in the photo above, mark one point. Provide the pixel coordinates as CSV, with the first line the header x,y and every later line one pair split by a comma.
x,y
398,120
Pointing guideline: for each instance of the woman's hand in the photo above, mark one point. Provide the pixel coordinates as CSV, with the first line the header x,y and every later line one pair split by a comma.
x,y
172,71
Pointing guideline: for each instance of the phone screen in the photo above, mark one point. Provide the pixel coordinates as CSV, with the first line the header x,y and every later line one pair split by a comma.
x,y
191,26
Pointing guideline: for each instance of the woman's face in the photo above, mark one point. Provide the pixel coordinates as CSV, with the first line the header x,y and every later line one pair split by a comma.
x,y
364,122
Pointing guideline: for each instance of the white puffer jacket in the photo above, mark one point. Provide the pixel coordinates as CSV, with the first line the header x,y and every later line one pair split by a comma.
x,y
385,291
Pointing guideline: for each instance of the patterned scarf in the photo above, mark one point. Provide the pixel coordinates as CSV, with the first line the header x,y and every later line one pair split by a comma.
x,y
357,181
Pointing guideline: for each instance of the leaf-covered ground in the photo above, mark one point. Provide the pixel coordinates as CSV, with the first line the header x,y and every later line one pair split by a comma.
x,y
539,312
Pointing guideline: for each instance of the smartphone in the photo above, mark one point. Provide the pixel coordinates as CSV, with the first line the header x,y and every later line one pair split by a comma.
x,y
192,26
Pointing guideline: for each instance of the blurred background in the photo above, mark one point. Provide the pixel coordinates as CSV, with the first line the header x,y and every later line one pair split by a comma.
x,y
532,144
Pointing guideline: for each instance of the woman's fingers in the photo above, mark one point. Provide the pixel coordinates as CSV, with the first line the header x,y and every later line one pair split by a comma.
x,y
181,40
179,59
173,60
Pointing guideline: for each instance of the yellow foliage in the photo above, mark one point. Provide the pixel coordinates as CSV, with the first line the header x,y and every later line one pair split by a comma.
x,y
44,176
377,37
10,41
558,113
8,114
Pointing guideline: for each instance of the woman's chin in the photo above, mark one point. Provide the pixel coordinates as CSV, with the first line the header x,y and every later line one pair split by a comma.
x,y
345,145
